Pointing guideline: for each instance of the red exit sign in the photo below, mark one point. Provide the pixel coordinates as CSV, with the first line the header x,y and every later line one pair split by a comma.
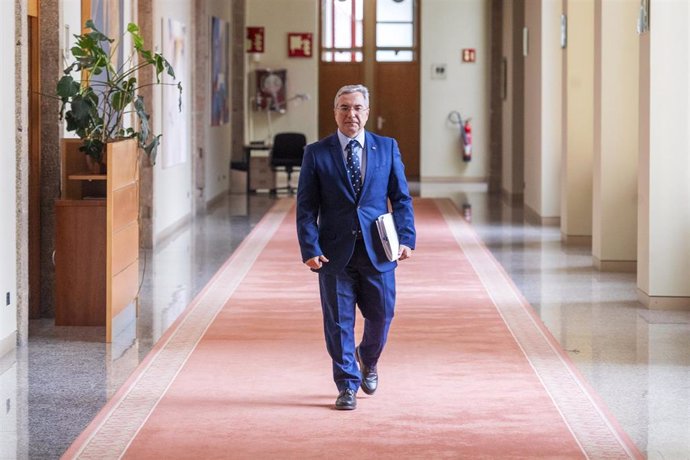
x,y
469,55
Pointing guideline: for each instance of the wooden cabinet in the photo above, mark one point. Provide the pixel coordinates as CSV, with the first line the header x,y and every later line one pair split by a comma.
x,y
97,238
80,257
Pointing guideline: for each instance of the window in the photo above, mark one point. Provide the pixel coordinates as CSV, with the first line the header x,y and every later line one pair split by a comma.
x,y
395,30
342,30
342,25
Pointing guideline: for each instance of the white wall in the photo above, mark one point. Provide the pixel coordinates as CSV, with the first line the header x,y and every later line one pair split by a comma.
x,y
448,26
278,17
172,198
70,25
8,194
218,139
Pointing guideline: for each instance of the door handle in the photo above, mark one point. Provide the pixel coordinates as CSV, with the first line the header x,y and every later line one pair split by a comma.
x,y
379,122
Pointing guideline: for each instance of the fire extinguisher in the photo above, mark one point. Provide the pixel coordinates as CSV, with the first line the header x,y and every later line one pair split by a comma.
x,y
467,141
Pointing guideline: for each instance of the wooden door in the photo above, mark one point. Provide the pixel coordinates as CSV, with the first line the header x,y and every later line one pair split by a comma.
x,y
397,109
376,62
333,76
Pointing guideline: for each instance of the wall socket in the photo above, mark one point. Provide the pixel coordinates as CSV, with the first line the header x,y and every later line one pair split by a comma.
x,y
7,299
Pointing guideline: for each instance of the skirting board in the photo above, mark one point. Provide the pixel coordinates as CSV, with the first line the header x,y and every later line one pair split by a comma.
x,y
452,180
8,343
621,266
577,240
170,231
534,218
663,303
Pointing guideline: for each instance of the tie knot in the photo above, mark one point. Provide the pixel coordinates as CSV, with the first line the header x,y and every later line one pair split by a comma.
x,y
353,145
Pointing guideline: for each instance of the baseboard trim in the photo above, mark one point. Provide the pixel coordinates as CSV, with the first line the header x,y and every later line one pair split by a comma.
x,y
663,303
533,217
8,344
171,230
576,240
452,180
216,199
620,266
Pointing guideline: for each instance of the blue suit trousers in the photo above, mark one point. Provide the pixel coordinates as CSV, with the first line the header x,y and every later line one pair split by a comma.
x,y
358,284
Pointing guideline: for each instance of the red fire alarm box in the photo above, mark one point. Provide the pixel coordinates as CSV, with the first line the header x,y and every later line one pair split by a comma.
x,y
255,39
300,45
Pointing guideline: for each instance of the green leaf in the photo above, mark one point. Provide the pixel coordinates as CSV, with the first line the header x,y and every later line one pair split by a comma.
x,y
143,118
167,65
77,51
67,87
146,55
96,34
151,148
121,99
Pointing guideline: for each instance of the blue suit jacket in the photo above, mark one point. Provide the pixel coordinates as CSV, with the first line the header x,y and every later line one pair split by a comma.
x,y
327,212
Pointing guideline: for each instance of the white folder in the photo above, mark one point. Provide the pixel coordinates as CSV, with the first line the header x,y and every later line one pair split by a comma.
x,y
389,235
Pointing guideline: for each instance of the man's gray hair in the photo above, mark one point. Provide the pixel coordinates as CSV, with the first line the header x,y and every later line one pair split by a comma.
x,y
349,89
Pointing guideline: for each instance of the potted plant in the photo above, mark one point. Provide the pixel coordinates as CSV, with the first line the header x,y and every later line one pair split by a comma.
x,y
96,106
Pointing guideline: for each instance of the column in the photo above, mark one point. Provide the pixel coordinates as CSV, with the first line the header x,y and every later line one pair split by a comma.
x,y
616,107
578,108
663,275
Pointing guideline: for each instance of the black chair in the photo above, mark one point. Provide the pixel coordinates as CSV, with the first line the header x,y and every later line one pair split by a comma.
x,y
286,154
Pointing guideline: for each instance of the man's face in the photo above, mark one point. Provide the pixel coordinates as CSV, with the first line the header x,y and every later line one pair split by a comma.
x,y
351,113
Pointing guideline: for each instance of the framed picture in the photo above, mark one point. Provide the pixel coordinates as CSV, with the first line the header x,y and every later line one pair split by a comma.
x,y
220,71
271,90
174,141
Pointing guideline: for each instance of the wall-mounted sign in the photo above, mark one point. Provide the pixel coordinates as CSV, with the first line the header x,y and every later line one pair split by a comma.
x,y
300,44
469,55
255,40
438,71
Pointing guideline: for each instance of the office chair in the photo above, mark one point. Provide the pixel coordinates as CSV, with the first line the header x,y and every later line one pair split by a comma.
x,y
287,153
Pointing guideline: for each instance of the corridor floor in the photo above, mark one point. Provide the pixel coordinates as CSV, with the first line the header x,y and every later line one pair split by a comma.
x,y
637,360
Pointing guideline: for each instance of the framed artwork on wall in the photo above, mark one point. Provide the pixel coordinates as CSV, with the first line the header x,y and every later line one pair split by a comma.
x,y
175,140
220,71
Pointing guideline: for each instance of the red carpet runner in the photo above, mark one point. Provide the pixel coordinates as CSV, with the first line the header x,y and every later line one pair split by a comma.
x,y
469,371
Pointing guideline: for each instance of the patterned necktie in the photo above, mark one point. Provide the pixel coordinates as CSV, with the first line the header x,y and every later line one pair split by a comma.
x,y
353,168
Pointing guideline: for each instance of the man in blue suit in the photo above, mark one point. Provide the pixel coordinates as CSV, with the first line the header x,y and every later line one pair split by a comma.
x,y
346,181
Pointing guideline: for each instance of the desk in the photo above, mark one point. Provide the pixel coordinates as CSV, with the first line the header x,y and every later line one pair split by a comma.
x,y
245,164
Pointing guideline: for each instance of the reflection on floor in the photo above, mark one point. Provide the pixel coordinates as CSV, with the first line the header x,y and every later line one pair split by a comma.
x,y
637,360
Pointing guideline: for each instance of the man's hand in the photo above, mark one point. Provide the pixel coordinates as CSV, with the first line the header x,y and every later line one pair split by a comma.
x,y
316,262
404,252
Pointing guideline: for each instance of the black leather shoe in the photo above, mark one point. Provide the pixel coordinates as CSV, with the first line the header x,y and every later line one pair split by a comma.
x,y
347,400
370,378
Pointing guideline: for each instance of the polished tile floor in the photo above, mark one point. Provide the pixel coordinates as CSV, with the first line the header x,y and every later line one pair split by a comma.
x,y
637,361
